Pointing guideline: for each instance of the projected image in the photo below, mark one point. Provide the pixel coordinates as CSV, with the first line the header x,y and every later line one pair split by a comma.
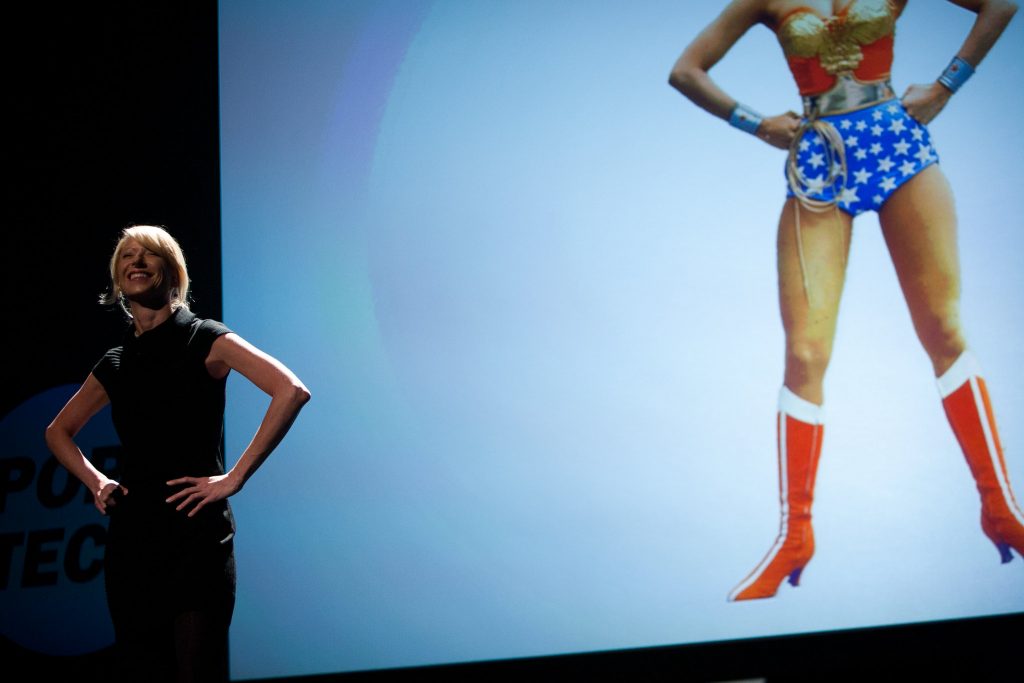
x,y
536,293
858,148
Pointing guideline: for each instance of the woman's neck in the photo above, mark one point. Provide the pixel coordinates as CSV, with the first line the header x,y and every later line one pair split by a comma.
x,y
145,318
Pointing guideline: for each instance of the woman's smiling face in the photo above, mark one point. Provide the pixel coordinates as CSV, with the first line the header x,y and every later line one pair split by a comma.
x,y
142,272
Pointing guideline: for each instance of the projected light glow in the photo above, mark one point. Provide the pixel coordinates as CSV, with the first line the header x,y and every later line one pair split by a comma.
x,y
533,292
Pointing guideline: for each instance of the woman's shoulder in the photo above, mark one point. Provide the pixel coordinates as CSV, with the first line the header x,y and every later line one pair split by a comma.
x,y
199,327
204,332
211,327
107,367
112,356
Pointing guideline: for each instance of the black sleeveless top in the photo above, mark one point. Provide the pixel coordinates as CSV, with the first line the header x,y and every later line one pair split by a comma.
x,y
169,415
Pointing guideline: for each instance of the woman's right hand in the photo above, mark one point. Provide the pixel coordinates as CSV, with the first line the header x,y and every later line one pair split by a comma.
x,y
779,131
105,498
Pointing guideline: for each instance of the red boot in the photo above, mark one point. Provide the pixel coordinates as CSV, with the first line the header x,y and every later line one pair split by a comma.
x,y
965,398
799,443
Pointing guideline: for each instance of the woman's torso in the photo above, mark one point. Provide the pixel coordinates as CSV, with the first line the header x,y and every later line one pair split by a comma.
x,y
823,40
168,412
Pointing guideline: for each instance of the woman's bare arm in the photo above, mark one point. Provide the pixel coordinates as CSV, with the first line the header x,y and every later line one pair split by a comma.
x,y
924,102
690,73
993,18
60,438
287,396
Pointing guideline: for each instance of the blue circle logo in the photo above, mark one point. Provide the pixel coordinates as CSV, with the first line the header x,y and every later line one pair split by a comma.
x,y
52,538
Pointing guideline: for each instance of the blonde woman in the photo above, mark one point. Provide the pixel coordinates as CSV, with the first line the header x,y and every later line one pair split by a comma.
x,y
169,564
857,148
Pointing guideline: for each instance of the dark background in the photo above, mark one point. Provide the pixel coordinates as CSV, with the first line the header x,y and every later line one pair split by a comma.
x,y
116,122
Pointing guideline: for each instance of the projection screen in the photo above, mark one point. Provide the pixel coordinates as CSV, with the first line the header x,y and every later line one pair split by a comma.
x,y
533,292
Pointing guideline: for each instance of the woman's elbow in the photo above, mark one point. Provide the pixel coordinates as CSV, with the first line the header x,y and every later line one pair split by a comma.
x,y
299,394
54,434
682,77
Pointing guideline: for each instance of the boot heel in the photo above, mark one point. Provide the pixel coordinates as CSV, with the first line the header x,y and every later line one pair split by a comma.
x,y
794,578
1004,552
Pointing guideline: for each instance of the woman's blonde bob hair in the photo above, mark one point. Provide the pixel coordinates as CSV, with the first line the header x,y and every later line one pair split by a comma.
x,y
157,240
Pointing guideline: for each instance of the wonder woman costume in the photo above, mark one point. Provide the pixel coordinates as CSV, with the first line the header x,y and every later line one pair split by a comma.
x,y
856,146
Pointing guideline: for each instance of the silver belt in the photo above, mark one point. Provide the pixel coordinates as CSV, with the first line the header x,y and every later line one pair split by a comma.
x,y
848,94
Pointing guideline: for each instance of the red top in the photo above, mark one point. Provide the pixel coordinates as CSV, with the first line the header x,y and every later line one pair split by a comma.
x,y
812,79
856,40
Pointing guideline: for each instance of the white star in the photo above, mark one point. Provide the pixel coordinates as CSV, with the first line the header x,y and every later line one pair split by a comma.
x,y
901,147
837,169
885,165
848,196
924,154
877,199
804,145
816,160
892,108
815,185
850,141
862,175
876,148
897,126
861,154
907,167
876,115
876,130
917,134
861,125
845,124
887,184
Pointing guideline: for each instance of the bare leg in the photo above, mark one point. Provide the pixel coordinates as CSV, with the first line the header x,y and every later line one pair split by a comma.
x,y
919,225
809,317
809,297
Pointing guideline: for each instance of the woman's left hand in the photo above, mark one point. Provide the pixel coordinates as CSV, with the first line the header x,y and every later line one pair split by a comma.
x,y
924,102
201,490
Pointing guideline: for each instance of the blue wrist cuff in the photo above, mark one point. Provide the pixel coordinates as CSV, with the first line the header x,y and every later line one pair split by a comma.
x,y
744,118
956,74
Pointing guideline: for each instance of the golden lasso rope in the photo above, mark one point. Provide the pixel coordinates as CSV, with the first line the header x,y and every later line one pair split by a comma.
x,y
835,160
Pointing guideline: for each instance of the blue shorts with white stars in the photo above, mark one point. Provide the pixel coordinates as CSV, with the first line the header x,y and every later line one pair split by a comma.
x,y
885,147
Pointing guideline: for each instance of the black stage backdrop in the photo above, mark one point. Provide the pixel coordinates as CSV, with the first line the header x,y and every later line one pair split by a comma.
x,y
115,109
115,122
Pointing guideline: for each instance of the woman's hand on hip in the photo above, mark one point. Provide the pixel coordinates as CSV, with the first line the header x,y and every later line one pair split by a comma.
x,y
198,491
924,102
106,496
779,131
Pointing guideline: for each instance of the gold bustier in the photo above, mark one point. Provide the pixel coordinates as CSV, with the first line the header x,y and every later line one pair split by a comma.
x,y
837,40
